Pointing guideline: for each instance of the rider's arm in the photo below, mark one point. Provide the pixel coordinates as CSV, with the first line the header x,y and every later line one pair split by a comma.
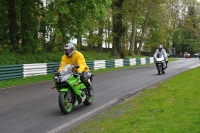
x,y
81,62
155,54
165,54
63,63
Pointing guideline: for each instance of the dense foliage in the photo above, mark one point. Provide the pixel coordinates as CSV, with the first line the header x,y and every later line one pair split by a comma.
x,y
128,27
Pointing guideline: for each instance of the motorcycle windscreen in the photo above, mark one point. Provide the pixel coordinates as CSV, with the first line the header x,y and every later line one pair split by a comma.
x,y
160,59
66,72
67,69
66,77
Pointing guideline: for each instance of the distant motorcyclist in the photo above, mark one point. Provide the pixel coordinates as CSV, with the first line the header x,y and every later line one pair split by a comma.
x,y
187,55
159,52
74,57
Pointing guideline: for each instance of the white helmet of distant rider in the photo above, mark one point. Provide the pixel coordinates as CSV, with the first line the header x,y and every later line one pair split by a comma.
x,y
69,49
160,47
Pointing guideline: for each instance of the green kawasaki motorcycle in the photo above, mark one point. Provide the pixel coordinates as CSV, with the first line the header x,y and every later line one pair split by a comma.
x,y
71,90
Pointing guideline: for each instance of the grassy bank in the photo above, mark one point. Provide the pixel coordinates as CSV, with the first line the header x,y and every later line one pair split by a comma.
x,y
9,58
48,57
169,107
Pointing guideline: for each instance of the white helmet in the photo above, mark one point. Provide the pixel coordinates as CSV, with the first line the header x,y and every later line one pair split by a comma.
x,y
160,47
69,49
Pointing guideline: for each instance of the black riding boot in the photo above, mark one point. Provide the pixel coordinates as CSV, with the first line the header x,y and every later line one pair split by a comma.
x,y
89,89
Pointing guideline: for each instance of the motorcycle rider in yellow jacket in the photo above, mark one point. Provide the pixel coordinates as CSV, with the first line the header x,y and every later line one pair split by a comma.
x,y
74,57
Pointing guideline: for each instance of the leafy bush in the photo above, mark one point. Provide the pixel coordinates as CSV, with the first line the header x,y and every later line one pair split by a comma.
x,y
9,58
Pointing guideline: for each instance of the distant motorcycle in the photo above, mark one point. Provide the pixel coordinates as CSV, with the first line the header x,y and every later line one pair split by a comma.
x,y
71,90
160,65
187,55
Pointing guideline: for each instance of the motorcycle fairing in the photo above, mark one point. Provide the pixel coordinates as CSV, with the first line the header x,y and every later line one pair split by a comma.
x,y
63,89
76,84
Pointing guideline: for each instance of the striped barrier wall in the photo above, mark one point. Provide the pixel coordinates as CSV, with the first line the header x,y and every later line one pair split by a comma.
x,y
34,69
26,70
11,72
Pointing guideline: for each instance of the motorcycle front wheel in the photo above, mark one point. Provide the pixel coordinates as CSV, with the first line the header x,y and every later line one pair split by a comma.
x,y
159,67
64,105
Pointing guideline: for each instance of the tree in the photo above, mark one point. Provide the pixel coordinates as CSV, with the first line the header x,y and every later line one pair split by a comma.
x,y
4,23
73,17
12,15
118,28
29,25
187,36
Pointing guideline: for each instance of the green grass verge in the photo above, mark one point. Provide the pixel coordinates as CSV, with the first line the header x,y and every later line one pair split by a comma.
x,y
169,107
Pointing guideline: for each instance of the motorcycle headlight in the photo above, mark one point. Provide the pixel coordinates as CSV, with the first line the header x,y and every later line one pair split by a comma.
x,y
56,79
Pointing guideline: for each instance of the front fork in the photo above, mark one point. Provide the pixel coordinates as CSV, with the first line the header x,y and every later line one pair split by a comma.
x,y
68,93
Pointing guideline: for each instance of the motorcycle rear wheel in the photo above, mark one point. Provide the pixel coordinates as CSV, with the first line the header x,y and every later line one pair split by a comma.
x,y
64,105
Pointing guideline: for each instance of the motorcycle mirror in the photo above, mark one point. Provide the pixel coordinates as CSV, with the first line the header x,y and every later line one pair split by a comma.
x,y
55,69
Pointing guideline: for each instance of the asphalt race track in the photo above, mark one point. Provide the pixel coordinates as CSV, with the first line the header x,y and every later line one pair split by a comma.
x,y
34,108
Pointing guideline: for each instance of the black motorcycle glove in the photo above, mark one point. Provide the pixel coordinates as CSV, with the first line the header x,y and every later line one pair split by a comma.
x,y
154,59
77,74
58,74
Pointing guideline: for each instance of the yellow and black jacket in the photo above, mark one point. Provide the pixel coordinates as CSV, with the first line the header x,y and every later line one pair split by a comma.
x,y
77,58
